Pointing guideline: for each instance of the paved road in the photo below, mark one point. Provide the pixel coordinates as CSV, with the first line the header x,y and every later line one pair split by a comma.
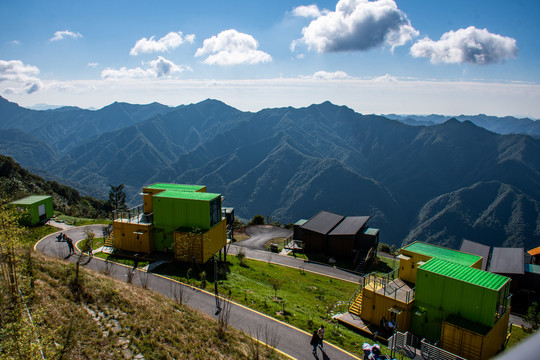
x,y
297,263
290,341
259,235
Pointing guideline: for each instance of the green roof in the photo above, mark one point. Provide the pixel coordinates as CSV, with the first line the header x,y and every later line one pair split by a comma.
x,y
186,195
465,273
32,199
443,253
180,187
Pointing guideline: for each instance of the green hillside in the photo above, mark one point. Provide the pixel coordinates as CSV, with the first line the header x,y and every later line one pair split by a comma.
x,y
17,182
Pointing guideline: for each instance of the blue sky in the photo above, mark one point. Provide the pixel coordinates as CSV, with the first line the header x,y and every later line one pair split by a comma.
x,y
408,57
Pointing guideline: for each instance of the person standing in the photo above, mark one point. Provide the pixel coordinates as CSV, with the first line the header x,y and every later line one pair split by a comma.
x,y
70,244
315,342
320,334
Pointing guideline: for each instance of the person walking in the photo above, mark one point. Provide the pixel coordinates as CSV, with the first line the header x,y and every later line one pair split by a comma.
x,y
315,342
70,244
320,334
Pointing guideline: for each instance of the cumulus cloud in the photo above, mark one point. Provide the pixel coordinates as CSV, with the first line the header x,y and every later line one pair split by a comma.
x,y
470,45
308,11
324,75
169,42
61,35
159,68
231,47
20,77
358,25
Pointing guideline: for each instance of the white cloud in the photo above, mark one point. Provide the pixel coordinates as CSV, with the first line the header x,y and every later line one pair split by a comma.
x,y
60,35
471,45
231,47
308,11
15,42
358,25
324,75
20,77
367,95
159,68
386,78
92,64
169,42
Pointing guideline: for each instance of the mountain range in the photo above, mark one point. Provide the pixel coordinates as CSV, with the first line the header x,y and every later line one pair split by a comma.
x,y
439,183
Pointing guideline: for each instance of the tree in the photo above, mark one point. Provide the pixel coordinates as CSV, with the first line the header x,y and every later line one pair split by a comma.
x,y
257,220
117,197
276,283
533,316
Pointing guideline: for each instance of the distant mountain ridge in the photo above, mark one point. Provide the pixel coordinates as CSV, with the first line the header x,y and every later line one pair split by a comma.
x,y
500,125
289,163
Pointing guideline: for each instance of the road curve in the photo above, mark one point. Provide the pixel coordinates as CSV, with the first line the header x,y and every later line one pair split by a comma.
x,y
287,339
259,235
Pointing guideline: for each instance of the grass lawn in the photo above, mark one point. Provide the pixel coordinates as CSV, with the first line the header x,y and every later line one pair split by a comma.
x,y
303,300
518,335
240,237
33,234
125,261
75,221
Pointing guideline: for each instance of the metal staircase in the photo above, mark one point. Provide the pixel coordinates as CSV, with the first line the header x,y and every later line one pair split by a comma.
x,y
356,306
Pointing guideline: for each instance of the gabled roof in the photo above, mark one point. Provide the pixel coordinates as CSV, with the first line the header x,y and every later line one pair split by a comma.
x,y
507,260
351,225
474,248
442,253
323,222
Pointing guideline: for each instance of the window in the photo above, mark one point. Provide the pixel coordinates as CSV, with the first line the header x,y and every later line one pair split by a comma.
x,y
215,211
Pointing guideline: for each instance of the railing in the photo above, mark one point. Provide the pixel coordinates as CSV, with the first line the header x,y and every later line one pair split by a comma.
x,y
382,282
432,352
358,290
134,215
404,344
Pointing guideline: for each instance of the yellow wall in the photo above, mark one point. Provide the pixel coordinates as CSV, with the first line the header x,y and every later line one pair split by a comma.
x,y
407,268
474,346
215,241
375,306
133,236
200,246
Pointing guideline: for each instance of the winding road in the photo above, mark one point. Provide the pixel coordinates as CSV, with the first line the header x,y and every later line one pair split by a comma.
x,y
288,340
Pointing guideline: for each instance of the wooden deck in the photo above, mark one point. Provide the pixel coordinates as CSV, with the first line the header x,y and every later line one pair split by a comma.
x,y
367,328
396,289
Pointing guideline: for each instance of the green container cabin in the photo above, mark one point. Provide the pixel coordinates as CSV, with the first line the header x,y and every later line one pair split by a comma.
x,y
445,288
175,209
39,207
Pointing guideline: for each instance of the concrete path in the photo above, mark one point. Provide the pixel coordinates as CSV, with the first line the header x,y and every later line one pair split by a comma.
x,y
59,225
288,340
259,235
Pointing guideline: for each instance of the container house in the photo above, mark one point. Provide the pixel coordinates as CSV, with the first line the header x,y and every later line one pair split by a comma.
x,y
39,208
183,219
454,300
441,295
338,236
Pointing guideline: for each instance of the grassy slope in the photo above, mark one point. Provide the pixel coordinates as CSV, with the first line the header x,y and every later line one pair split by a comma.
x,y
112,318
308,299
